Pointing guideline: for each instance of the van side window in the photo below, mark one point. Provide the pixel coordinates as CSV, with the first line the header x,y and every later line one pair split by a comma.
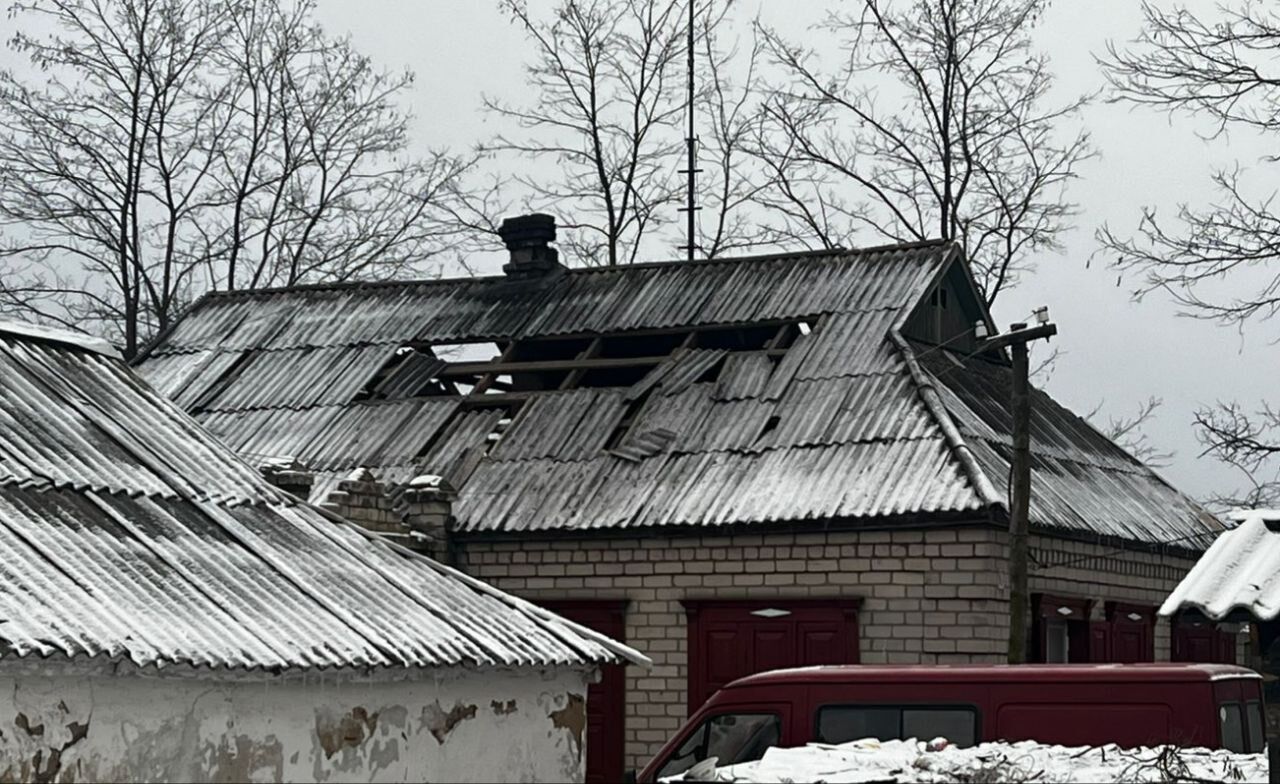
x,y
1229,721
957,726
1257,730
844,723
731,738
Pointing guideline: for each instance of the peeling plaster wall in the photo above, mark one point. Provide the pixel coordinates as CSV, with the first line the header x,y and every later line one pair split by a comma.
x,y
79,723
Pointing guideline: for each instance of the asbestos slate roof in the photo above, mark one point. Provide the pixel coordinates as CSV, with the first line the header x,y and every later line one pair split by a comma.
x,y
837,427
1238,574
1081,481
128,532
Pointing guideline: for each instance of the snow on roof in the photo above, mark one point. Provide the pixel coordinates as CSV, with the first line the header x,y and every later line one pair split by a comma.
x,y
128,532
54,335
902,761
1238,574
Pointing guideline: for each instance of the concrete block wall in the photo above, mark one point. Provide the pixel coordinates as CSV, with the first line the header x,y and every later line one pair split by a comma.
x,y
927,596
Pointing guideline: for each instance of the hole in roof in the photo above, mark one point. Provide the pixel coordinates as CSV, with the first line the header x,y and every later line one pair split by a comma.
x,y
467,352
770,425
484,368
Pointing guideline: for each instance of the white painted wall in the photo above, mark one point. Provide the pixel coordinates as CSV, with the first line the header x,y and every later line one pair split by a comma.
x,y
95,723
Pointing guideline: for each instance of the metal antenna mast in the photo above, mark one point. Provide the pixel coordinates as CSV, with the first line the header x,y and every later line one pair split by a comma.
x,y
691,142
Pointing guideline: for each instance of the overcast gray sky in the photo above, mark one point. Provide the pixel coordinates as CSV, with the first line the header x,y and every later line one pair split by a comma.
x,y
1117,352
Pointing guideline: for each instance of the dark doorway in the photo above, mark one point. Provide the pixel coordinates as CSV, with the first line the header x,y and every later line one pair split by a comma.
x,y
606,700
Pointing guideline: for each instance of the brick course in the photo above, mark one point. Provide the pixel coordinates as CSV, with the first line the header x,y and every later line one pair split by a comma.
x,y
936,596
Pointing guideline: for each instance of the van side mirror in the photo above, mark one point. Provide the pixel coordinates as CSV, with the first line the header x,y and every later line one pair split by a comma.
x,y
629,777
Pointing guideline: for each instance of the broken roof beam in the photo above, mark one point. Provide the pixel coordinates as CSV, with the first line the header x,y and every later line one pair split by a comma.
x,y
600,363
590,352
488,379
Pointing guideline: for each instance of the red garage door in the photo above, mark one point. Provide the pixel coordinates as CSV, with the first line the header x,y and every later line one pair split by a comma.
x,y
1202,642
606,700
728,640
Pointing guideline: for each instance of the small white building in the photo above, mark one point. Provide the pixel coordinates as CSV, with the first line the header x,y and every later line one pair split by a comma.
x,y
166,614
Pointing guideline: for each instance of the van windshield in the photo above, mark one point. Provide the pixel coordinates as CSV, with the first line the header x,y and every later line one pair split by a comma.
x,y
730,737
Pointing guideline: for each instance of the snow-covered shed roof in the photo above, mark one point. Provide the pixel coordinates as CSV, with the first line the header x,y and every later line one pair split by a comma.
x,y
1238,577
128,532
773,389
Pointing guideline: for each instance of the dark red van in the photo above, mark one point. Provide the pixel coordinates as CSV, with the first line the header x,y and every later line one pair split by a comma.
x,y
1213,705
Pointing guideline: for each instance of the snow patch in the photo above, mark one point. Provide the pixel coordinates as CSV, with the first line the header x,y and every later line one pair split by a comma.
x,y
902,761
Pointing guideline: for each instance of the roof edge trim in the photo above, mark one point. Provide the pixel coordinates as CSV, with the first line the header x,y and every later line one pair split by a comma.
x,y
624,653
968,461
81,340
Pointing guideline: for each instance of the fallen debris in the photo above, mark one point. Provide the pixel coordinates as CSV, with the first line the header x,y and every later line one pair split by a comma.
x,y
901,762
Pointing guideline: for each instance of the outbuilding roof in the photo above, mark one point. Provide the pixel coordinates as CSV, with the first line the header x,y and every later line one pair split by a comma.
x,y
128,532
729,392
1238,577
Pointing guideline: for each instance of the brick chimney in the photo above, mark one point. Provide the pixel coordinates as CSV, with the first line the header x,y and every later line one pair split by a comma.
x,y
528,238
426,506
363,500
289,475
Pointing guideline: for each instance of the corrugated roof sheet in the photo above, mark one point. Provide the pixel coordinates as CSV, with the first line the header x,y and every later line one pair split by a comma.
x,y
711,435
128,532
1081,481
1240,572
718,488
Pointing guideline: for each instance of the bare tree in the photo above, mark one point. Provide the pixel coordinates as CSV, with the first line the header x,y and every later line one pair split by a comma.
x,y
1222,70
969,149
606,104
1130,431
178,146
733,179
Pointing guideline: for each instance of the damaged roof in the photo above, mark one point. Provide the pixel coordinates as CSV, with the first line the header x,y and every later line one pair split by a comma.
x,y
128,532
775,389
1238,577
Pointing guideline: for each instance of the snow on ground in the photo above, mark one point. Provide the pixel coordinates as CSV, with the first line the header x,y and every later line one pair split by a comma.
x,y
897,761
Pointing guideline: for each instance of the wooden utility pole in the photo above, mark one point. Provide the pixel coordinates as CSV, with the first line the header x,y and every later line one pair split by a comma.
x,y
1017,338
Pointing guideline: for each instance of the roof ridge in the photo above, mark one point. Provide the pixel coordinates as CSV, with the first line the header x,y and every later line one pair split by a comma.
x,y
583,270
968,461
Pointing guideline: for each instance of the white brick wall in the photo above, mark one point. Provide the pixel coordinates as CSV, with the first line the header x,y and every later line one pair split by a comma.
x,y
932,596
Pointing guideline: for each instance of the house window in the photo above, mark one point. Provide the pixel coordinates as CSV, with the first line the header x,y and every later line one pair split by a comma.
x,y
1060,629
1057,638
845,723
